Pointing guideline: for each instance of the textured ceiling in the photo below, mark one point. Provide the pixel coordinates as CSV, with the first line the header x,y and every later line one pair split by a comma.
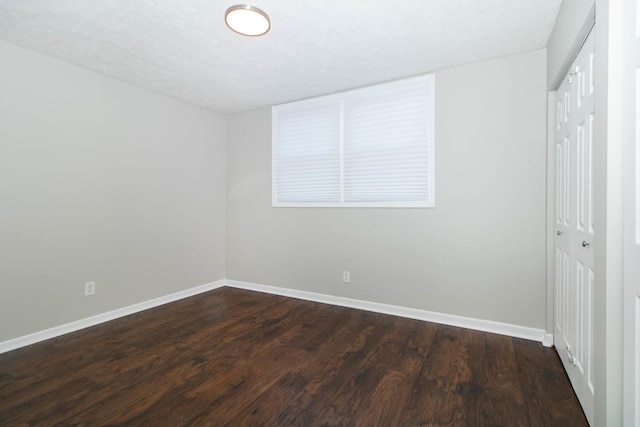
x,y
183,49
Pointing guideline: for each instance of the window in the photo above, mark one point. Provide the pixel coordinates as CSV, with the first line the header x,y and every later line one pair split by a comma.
x,y
370,147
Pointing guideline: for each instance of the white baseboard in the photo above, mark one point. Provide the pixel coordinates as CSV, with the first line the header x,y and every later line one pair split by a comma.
x,y
430,316
446,319
56,331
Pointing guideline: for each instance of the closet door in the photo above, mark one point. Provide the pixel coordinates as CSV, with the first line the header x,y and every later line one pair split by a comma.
x,y
564,335
574,261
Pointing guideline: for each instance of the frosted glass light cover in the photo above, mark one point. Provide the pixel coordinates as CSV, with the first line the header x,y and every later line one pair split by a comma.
x,y
247,20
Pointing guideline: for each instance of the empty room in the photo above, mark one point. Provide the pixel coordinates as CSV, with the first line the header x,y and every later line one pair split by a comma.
x,y
307,213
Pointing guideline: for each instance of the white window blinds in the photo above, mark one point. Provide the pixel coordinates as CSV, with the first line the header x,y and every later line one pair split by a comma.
x,y
368,147
307,155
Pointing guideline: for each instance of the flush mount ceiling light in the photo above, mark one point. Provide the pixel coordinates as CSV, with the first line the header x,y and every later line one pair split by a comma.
x,y
247,20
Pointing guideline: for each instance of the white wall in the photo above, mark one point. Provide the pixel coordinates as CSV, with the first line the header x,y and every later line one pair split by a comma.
x,y
100,181
480,253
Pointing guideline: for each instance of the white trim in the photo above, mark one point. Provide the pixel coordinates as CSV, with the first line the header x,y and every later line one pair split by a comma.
x,y
412,313
429,316
77,325
341,156
423,204
551,212
548,340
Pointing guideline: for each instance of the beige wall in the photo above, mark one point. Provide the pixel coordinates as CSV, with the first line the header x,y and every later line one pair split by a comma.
x,y
480,253
100,181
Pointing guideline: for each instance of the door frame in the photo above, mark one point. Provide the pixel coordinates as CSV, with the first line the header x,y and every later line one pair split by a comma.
x,y
631,136
608,206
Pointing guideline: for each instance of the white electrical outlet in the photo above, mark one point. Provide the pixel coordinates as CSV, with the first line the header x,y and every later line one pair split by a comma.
x,y
346,276
89,289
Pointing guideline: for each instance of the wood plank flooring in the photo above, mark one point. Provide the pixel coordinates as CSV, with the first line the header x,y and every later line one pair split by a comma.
x,y
240,358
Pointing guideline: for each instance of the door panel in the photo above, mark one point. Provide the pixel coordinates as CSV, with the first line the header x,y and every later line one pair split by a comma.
x,y
563,245
574,225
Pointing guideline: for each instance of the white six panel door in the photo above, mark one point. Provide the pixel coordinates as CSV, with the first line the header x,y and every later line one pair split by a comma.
x,y
574,275
563,216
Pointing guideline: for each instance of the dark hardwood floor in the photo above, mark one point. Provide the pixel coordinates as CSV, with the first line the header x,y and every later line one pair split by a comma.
x,y
240,358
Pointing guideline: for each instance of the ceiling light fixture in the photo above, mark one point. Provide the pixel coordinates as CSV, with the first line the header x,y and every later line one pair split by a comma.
x,y
247,20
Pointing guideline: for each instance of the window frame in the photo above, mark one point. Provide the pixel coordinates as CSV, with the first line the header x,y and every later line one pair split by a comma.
x,y
428,79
